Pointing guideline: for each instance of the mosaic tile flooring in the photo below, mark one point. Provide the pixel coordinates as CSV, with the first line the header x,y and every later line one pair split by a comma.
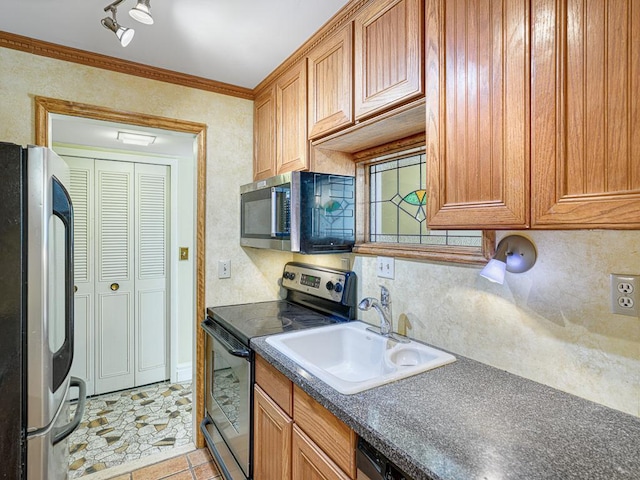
x,y
125,426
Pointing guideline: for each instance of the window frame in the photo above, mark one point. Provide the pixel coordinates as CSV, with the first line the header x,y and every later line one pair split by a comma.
x,y
436,253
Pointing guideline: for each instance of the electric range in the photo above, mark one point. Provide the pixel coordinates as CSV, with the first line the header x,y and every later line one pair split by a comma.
x,y
315,296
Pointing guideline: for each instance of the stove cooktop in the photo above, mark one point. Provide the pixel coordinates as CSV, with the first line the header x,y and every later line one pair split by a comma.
x,y
249,320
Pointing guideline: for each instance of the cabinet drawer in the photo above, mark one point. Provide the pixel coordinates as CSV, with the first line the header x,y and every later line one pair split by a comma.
x,y
275,384
335,438
309,462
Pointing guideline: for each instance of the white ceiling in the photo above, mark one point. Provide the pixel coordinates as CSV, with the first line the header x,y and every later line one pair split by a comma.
x,y
76,131
233,41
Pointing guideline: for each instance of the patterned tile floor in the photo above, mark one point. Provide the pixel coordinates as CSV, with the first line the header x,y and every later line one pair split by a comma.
x,y
125,426
195,465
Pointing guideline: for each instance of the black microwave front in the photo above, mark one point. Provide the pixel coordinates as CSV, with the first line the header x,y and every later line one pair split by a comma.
x,y
305,212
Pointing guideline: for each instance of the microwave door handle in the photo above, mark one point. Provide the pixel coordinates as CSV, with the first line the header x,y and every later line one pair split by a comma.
x,y
274,213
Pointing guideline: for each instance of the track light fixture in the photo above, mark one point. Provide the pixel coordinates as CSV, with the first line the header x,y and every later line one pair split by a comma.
x,y
141,12
124,34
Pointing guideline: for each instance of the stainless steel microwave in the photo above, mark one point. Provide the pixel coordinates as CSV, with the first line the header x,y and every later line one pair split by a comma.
x,y
305,212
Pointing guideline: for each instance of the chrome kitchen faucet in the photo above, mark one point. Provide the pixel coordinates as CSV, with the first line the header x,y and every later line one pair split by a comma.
x,y
383,307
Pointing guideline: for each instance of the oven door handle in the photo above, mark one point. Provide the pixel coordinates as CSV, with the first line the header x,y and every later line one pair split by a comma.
x,y
236,352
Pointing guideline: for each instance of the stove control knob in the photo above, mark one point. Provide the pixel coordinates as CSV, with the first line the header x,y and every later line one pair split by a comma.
x,y
329,285
338,287
289,275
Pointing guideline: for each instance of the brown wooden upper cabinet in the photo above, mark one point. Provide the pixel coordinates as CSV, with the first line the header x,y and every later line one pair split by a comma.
x,y
533,113
280,125
477,99
264,134
292,147
330,93
388,55
585,113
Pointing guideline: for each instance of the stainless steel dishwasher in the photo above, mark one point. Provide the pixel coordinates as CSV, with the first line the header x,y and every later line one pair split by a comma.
x,y
373,465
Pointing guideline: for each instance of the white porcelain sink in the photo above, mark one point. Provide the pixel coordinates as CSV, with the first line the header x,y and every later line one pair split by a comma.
x,y
352,359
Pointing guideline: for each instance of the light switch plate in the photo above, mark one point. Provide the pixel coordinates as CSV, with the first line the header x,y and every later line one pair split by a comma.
x,y
386,267
224,268
184,253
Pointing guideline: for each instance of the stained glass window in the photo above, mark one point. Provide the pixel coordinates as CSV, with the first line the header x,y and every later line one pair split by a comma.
x,y
398,202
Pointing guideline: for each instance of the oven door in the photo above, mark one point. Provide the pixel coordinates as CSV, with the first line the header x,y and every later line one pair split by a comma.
x,y
227,427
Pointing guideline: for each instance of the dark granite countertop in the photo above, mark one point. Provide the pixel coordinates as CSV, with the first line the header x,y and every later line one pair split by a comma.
x,y
470,421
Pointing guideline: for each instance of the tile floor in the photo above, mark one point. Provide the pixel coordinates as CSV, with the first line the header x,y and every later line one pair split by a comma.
x,y
125,426
196,465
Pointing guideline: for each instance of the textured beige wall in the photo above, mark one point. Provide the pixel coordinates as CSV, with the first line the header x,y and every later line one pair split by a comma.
x,y
229,154
551,324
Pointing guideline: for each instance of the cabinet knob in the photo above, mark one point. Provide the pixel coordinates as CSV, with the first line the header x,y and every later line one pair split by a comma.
x,y
114,286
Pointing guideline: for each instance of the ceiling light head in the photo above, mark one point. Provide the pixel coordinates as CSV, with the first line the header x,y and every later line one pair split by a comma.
x,y
142,12
515,254
124,34
136,138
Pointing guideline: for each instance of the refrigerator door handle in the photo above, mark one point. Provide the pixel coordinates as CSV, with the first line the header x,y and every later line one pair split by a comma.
x,y
63,432
63,209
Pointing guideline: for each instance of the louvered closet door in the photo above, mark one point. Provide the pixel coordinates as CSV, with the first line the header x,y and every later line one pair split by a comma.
x,y
114,314
81,192
151,187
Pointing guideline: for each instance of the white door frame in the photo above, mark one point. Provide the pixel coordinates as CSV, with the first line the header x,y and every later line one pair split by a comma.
x,y
177,372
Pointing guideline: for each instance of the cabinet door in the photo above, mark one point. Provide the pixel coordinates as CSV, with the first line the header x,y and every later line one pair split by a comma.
x,y
271,439
311,463
330,84
477,105
264,134
388,55
292,147
586,114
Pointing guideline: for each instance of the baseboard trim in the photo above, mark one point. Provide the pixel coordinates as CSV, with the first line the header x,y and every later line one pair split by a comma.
x,y
184,372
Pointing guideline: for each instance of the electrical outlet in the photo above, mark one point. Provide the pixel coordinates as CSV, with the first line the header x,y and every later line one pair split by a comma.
x,y
224,268
386,267
345,263
624,294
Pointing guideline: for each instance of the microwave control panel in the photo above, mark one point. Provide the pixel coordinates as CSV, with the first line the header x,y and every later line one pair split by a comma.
x,y
328,284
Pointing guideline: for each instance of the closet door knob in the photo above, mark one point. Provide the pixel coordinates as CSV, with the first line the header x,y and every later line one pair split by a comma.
x,y
114,286
75,288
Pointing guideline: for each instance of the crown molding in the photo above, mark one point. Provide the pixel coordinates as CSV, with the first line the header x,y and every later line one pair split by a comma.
x,y
69,54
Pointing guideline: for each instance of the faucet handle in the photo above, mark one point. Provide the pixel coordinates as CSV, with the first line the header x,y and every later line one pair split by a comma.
x,y
385,296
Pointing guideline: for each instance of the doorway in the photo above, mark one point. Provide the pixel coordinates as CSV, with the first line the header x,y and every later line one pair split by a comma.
x,y
124,302
45,108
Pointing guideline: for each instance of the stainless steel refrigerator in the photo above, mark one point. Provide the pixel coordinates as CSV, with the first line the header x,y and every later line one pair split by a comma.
x,y
36,315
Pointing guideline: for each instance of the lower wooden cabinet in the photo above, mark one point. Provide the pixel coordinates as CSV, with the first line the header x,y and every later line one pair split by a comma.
x,y
309,462
272,439
314,444
334,437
